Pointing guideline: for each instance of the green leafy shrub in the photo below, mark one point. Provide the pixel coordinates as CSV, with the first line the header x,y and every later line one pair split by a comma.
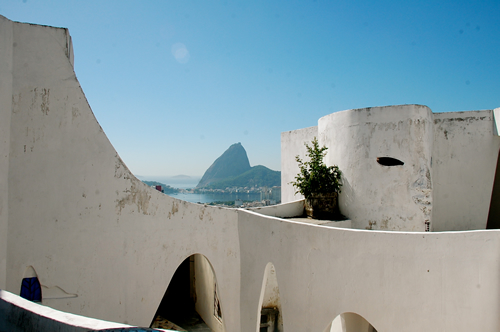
x,y
314,176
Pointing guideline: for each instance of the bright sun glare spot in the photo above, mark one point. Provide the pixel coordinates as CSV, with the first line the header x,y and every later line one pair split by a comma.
x,y
180,52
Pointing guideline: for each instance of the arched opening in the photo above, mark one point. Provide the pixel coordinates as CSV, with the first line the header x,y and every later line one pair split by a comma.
x,y
270,314
30,286
350,322
191,301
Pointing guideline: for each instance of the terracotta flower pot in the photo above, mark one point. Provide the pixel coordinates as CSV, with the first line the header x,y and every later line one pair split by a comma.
x,y
323,206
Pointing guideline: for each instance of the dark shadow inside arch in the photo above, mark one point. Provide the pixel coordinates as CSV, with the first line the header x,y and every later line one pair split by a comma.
x,y
191,301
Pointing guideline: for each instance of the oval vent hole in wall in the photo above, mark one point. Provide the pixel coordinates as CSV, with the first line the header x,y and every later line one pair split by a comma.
x,y
388,161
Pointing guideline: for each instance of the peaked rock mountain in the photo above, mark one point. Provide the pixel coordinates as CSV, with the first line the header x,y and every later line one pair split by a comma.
x,y
233,162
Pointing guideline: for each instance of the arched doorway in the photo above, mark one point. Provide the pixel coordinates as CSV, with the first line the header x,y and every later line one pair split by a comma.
x,y
350,322
191,301
271,318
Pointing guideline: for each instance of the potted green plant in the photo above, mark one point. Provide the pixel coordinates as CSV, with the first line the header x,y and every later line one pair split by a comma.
x,y
320,184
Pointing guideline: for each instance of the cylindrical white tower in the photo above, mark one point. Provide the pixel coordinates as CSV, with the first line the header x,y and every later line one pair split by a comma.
x,y
385,156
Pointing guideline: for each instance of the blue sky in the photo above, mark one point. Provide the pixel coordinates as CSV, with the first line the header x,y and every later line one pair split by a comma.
x,y
175,83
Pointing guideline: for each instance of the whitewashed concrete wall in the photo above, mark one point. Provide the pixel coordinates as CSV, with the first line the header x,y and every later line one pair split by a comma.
x,y
6,45
76,213
464,162
375,196
352,322
396,281
205,283
20,315
284,210
447,178
292,145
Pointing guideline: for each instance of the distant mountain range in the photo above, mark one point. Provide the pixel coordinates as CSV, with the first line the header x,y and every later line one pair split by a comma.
x,y
232,169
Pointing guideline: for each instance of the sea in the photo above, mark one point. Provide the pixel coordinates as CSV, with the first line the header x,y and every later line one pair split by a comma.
x,y
191,182
215,197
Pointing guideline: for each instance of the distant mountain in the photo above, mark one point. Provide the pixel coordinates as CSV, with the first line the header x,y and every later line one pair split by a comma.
x,y
233,162
257,176
232,169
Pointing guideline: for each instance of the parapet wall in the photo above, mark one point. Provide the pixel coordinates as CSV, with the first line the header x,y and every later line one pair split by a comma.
x,y
20,315
464,161
441,176
6,49
76,214
375,195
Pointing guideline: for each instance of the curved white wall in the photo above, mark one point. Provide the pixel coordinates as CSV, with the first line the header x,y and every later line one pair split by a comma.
x,y
375,196
76,213
445,183
6,45
413,281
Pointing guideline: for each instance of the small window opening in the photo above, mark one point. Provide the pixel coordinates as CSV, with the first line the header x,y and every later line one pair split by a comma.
x,y
388,161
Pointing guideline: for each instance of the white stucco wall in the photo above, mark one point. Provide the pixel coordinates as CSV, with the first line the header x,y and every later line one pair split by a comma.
x,y
464,162
284,210
375,196
205,290
292,145
392,279
447,178
24,315
76,213
6,42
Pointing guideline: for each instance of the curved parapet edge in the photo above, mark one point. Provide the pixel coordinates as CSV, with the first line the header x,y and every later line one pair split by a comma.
x,y
15,309
284,210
